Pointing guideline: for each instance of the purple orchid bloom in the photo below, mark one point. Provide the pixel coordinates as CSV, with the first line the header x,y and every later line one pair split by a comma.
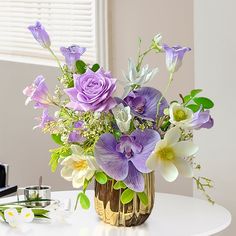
x,y
92,91
75,136
72,54
44,120
143,103
126,159
40,34
38,92
202,119
174,57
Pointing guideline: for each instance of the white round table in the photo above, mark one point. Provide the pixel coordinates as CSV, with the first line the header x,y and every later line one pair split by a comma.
x,y
173,215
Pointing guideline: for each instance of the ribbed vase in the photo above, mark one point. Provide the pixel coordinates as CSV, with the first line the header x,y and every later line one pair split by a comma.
x,y
110,209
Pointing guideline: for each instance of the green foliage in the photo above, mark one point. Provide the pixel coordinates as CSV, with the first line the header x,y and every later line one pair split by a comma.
x,y
101,177
40,213
205,102
117,134
143,198
2,215
54,161
81,66
95,67
119,185
193,107
194,92
57,138
127,196
83,200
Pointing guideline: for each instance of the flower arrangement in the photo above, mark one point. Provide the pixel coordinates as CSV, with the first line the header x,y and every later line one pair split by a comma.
x,y
119,139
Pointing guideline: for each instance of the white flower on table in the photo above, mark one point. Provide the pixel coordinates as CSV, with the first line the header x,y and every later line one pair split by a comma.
x,y
169,154
15,219
123,117
77,167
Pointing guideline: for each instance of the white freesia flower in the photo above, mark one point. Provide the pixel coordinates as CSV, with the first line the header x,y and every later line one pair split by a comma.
x,y
123,117
14,219
78,167
156,42
180,115
139,78
169,154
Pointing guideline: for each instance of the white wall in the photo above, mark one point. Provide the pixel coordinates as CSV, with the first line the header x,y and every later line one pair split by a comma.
x,y
215,37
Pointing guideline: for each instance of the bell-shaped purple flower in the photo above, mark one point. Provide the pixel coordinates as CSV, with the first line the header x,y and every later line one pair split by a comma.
x,y
72,54
126,159
40,34
92,91
143,103
174,57
46,118
38,92
202,119
75,136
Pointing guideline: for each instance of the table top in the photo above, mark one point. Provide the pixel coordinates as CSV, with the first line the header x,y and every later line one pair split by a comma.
x,y
173,215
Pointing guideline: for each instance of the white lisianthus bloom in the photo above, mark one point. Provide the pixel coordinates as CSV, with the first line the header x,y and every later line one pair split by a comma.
x,y
77,167
180,115
123,117
169,154
14,219
138,78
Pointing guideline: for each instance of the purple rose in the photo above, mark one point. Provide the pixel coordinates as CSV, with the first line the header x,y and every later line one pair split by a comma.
x,y
75,136
143,103
72,54
174,57
126,159
44,119
92,91
38,92
40,34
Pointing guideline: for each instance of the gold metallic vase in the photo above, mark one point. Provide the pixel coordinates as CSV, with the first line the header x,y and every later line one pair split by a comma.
x,y
110,209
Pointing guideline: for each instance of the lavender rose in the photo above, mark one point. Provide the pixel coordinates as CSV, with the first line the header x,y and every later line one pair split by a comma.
x,y
92,91
40,34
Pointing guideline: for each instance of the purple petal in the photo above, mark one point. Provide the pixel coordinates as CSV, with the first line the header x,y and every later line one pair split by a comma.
x,y
148,139
110,161
134,180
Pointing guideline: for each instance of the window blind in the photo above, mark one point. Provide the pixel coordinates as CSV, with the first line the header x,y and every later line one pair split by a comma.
x,y
67,22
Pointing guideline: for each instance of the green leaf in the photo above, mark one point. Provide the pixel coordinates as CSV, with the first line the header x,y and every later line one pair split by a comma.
x,y
57,139
117,134
84,201
205,102
127,196
143,198
54,161
2,215
193,107
187,98
77,200
100,177
95,67
119,185
81,66
194,92
39,211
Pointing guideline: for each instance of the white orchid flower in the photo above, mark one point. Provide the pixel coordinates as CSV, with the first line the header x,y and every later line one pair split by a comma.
x,y
169,154
78,167
14,219
138,78
180,115
123,117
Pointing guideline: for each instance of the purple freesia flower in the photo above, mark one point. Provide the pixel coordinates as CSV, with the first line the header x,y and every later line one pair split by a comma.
x,y
202,119
44,119
143,103
174,57
126,159
72,54
92,91
75,136
40,34
38,92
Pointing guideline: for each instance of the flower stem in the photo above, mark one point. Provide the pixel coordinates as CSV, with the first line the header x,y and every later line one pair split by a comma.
x,y
141,57
56,59
165,91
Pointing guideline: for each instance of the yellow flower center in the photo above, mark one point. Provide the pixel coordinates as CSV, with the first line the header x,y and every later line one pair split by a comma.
x,y
10,213
166,153
80,165
27,215
180,115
